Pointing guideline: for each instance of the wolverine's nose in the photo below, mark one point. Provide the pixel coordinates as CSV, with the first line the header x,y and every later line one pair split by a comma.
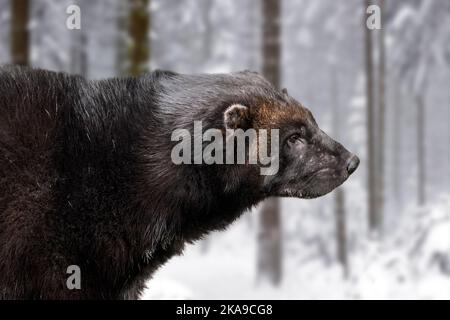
x,y
352,164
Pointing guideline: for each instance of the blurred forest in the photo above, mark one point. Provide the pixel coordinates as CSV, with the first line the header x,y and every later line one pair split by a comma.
x,y
384,93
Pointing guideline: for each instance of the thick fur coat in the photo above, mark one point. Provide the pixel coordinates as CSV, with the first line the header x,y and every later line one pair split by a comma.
x,y
86,177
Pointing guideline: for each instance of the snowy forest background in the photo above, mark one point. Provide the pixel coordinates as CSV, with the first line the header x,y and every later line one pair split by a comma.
x,y
385,94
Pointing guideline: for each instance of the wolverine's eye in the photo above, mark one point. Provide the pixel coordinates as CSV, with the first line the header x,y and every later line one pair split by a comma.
x,y
299,136
296,138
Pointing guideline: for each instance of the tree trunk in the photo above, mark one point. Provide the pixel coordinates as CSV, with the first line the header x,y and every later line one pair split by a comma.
x,y
341,230
397,154
269,243
138,31
208,36
271,41
269,250
371,168
79,59
381,118
339,194
421,151
19,32
121,36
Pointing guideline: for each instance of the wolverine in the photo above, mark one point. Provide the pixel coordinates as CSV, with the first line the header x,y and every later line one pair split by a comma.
x,y
87,180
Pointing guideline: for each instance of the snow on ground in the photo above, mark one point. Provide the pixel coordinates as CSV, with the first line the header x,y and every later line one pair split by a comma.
x,y
411,265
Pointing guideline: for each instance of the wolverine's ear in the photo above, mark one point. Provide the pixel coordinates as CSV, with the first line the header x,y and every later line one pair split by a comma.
x,y
237,116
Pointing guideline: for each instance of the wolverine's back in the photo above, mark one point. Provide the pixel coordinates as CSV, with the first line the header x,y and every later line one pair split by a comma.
x,y
31,101
31,104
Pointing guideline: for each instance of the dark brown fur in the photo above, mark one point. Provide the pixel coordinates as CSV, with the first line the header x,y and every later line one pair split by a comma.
x,y
86,177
